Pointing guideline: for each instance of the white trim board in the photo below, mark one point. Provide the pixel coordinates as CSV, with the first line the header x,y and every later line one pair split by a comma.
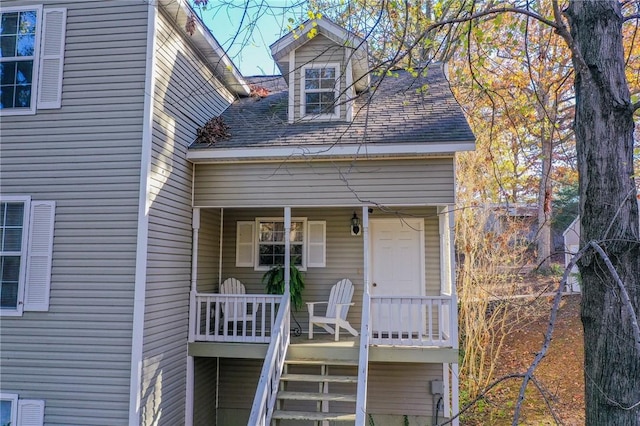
x,y
137,339
324,151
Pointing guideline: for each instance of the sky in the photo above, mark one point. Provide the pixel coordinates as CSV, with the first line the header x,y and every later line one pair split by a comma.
x,y
247,40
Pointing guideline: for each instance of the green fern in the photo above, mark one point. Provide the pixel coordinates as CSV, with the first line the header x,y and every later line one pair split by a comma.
x,y
274,282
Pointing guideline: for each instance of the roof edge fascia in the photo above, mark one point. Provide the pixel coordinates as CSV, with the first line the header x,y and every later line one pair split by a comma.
x,y
281,47
324,152
226,69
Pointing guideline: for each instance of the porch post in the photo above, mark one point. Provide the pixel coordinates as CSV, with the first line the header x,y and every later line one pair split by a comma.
x,y
365,248
363,356
287,250
220,247
195,224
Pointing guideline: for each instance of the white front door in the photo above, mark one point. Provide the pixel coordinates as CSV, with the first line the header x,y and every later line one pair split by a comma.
x,y
397,269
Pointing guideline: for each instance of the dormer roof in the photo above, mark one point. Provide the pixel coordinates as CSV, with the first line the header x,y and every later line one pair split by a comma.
x,y
281,49
401,115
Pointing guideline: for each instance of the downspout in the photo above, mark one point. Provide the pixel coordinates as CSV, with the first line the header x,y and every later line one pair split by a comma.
x,y
144,204
363,357
190,391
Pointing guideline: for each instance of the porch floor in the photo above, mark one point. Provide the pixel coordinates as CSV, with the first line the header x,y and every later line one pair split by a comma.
x,y
323,346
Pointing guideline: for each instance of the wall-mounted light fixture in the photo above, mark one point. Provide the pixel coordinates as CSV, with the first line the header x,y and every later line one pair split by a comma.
x,y
355,225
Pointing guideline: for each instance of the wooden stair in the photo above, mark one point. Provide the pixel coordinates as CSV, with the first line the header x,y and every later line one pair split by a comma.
x,y
315,392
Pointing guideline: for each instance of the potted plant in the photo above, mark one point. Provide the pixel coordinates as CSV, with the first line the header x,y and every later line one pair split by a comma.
x,y
274,282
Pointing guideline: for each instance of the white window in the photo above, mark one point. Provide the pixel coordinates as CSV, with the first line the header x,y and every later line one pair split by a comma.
x,y
271,240
8,409
20,412
26,243
31,70
260,243
320,91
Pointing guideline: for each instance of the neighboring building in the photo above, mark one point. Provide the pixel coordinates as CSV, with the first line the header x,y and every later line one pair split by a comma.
x,y
571,238
118,228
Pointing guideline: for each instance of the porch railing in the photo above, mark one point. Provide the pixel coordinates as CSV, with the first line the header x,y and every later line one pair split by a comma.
x,y
265,398
411,320
247,318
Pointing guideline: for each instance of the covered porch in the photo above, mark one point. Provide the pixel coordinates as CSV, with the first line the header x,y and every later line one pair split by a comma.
x,y
399,261
397,251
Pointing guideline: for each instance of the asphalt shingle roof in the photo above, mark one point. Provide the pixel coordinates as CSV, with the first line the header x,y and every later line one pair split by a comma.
x,y
399,108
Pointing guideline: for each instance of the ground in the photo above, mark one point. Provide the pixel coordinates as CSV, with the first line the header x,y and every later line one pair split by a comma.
x,y
560,373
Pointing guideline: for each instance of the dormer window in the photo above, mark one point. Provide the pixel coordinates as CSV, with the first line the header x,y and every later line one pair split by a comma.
x,y
320,87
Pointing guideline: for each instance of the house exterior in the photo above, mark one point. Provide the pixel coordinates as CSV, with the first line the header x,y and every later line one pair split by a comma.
x,y
99,103
118,228
331,142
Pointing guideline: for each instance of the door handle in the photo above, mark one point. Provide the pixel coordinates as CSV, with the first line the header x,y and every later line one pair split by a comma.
x,y
375,284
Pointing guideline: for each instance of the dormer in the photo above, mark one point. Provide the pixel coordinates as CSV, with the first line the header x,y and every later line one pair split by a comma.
x,y
324,66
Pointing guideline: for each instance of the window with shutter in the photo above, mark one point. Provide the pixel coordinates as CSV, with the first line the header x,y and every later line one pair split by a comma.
x,y
260,243
26,247
31,59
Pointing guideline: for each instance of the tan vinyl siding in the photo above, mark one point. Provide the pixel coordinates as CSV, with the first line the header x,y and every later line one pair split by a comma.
x,y
186,96
85,156
208,250
344,254
385,182
205,385
238,382
394,389
401,388
319,50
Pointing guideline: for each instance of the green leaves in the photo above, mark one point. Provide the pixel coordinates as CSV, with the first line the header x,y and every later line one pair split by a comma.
x,y
274,283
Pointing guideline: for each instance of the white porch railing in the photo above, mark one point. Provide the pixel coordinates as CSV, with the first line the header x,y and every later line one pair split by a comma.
x,y
363,361
265,398
247,318
411,320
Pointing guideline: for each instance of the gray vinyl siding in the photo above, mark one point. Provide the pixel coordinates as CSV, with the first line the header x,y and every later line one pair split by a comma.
x,y
344,254
85,156
186,96
319,50
384,182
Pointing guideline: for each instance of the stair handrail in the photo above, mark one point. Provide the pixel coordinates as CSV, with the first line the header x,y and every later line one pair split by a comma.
x,y
363,360
267,390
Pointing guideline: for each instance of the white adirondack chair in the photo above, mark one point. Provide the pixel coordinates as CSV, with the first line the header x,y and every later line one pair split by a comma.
x,y
337,310
236,310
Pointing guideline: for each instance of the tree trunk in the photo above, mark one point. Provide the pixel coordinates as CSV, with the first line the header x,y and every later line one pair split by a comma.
x,y
609,212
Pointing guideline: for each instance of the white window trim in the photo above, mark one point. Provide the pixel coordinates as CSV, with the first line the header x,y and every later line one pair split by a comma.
x,y
256,256
13,397
23,256
336,90
35,72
